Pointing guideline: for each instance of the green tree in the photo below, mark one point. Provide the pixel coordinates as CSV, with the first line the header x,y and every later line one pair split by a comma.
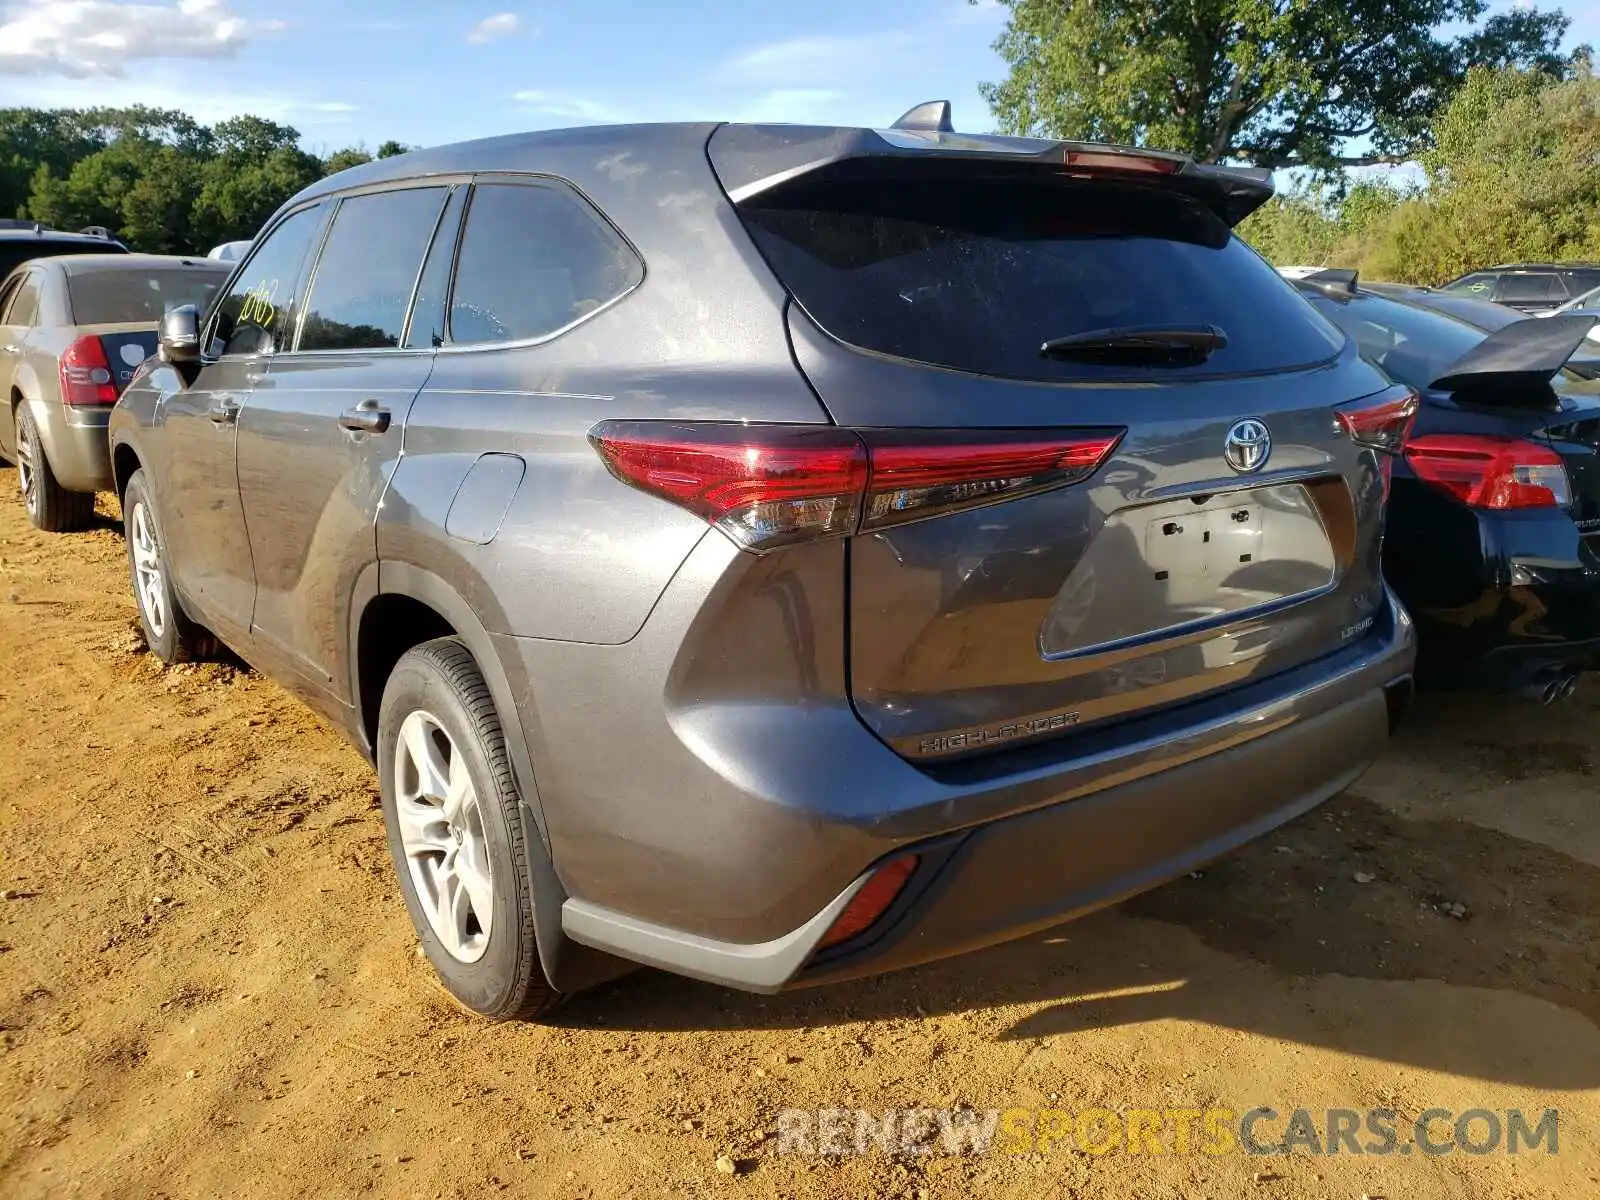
x,y
343,160
392,149
33,139
1514,173
160,179
1322,83
237,195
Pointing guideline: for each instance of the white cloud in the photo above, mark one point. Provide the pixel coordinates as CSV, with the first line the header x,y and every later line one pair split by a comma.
x,y
803,62
984,12
162,88
99,38
566,107
501,25
798,106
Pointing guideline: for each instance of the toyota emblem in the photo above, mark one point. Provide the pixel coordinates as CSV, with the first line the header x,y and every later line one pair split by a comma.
x,y
1247,445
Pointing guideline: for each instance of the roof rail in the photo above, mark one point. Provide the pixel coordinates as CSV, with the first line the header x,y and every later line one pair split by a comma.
x,y
931,116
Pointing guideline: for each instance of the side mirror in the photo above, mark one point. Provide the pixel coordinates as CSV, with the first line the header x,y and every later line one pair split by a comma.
x,y
179,335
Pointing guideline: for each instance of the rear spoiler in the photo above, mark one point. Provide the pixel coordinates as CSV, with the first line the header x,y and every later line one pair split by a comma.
x,y
1337,281
1525,354
751,160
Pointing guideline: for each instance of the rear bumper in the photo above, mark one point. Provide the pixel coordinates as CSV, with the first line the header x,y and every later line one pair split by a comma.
x,y
1014,877
76,446
1526,607
1051,831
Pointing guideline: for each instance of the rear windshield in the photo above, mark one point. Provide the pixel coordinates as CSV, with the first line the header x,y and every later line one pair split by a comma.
x,y
105,296
1412,345
976,274
15,252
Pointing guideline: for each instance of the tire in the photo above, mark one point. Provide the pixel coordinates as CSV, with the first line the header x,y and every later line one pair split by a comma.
x,y
456,833
50,506
171,636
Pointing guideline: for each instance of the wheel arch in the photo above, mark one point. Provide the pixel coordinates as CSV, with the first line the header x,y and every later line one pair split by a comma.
x,y
400,605
125,461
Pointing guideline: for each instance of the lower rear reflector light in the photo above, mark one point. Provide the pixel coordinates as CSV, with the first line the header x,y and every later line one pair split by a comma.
x,y
871,902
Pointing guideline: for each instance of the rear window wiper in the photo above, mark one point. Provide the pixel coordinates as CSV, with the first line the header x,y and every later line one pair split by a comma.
x,y
1152,345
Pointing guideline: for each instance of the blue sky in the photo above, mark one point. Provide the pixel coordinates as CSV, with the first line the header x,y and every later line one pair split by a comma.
x,y
425,73
362,71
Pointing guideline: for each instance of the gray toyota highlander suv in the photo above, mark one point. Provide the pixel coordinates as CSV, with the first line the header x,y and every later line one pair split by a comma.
x,y
779,554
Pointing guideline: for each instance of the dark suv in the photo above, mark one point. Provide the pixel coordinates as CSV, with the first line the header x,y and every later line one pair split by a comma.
x,y
1529,287
779,554
21,241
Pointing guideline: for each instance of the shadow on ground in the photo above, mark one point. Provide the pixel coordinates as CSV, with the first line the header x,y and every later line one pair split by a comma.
x,y
1425,942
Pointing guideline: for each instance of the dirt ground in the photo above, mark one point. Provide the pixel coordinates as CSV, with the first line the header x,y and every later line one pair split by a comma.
x,y
209,987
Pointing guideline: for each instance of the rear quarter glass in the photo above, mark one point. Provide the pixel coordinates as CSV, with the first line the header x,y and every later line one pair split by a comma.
x,y
975,274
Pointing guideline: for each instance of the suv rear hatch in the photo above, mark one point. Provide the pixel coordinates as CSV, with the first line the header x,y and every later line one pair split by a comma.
x,y
927,274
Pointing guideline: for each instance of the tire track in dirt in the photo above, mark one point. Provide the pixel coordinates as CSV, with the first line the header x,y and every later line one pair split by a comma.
x,y
209,985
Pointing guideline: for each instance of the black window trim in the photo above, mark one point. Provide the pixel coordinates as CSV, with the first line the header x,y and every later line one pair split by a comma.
x,y
538,179
445,187
9,287
259,242
465,190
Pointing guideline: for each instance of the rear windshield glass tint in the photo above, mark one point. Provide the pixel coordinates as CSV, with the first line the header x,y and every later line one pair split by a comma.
x,y
105,296
976,274
1412,345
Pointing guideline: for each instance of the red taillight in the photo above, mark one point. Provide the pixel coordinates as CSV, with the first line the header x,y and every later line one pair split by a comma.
x,y
1111,160
1380,422
772,485
1491,472
871,902
86,377
763,486
917,474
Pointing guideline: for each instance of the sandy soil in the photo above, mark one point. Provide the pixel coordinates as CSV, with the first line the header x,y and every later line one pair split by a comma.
x,y
208,985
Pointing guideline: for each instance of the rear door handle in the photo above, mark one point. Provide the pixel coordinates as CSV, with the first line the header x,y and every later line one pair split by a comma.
x,y
224,412
367,417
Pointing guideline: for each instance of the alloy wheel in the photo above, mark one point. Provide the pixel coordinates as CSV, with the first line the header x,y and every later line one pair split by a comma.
x,y
148,582
441,830
27,476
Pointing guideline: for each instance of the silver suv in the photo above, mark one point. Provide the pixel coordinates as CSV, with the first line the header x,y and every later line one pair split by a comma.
x,y
779,554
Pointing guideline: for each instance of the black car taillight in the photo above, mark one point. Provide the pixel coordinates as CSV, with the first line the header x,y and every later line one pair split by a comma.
x,y
772,485
1484,471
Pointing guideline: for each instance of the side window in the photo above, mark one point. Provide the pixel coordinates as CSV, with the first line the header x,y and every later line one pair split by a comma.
x,y
1535,289
1480,285
253,318
534,259
368,271
8,292
427,316
25,304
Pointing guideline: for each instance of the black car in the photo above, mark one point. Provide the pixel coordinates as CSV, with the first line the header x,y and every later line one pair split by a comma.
x,y
1494,516
1484,314
21,241
1530,287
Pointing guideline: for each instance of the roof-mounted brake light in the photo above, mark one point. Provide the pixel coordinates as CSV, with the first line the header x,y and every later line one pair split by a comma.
x,y
1112,161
